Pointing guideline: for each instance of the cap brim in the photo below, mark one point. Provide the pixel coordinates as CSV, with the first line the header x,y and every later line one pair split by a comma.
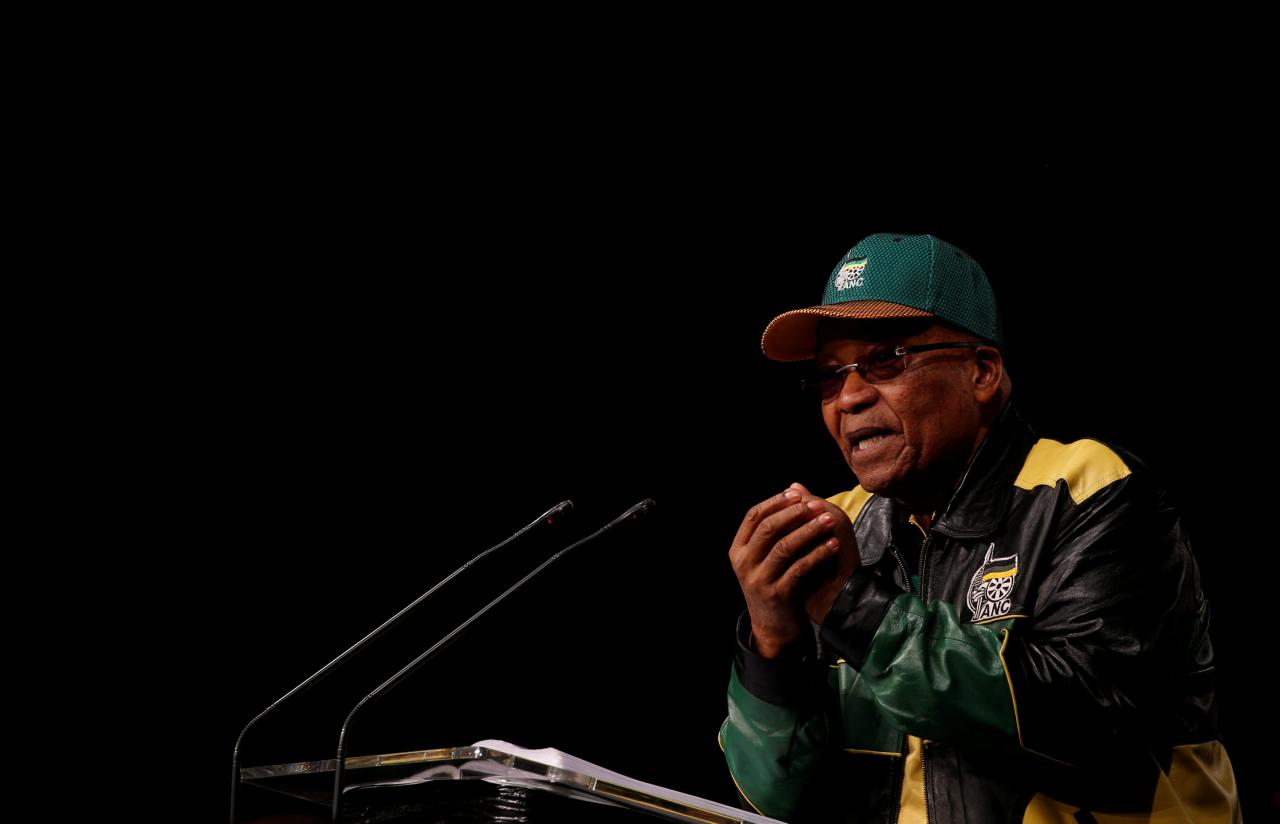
x,y
792,336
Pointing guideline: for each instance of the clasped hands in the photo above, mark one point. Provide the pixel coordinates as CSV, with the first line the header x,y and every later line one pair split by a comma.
x,y
792,554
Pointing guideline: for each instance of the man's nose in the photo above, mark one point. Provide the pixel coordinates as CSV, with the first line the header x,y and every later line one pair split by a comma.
x,y
855,393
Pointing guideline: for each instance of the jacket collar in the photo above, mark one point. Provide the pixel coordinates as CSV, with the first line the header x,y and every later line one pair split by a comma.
x,y
980,502
981,499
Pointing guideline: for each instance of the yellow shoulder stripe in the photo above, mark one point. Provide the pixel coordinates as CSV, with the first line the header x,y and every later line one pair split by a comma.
x,y
1086,465
852,501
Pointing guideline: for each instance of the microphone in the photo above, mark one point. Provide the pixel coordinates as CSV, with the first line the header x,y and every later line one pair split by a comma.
x,y
339,769
550,517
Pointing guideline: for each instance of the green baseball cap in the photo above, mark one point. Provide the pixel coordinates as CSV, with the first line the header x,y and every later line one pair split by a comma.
x,y
893,276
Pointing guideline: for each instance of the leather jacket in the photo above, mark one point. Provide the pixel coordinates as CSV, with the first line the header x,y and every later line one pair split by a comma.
x,y
1040,654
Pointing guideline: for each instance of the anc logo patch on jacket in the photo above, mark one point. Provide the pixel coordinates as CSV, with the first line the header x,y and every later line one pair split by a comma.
x,y
991,585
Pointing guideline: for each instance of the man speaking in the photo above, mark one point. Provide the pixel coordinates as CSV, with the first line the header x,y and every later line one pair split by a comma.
x,y
991,626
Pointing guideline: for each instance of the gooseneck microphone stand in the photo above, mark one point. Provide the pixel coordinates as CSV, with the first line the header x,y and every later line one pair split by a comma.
x,y
339,771
549,517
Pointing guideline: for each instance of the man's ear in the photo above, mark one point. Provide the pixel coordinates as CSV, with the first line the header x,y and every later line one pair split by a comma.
x,y
988,373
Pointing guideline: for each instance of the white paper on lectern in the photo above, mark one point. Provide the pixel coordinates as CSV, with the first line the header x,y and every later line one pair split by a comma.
x,y
556,758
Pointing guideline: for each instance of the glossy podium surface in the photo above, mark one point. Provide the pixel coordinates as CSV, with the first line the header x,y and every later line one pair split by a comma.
x,y
490,781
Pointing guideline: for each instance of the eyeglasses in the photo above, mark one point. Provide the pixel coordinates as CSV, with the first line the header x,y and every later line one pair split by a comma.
x,y
884,365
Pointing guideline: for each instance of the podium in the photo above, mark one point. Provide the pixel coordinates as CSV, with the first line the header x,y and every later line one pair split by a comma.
x,y
490,781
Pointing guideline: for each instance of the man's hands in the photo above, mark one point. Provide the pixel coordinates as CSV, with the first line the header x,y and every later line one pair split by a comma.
x,y
792,555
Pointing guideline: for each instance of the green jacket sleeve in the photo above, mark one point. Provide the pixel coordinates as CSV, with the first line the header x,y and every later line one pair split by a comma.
x,y
778,730
931,675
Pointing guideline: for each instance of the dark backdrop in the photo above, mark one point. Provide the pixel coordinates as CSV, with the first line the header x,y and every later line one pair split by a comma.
x,y
392,363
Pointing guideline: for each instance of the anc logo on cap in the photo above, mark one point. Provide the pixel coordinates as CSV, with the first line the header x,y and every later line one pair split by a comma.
x,y
850,274
990,586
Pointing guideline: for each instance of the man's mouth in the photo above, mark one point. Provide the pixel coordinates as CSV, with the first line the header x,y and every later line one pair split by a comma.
x,y
864,440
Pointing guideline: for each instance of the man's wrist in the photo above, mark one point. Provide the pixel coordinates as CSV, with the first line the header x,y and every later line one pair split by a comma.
x,y
771,651
792,677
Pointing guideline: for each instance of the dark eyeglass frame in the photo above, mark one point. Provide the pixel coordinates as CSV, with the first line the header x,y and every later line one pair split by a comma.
x,y
828,382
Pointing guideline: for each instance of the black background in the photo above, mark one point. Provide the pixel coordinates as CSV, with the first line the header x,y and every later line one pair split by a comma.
x,y
397,344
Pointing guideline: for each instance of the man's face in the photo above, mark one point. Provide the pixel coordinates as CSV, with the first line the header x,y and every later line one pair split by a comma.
x,y
911,436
